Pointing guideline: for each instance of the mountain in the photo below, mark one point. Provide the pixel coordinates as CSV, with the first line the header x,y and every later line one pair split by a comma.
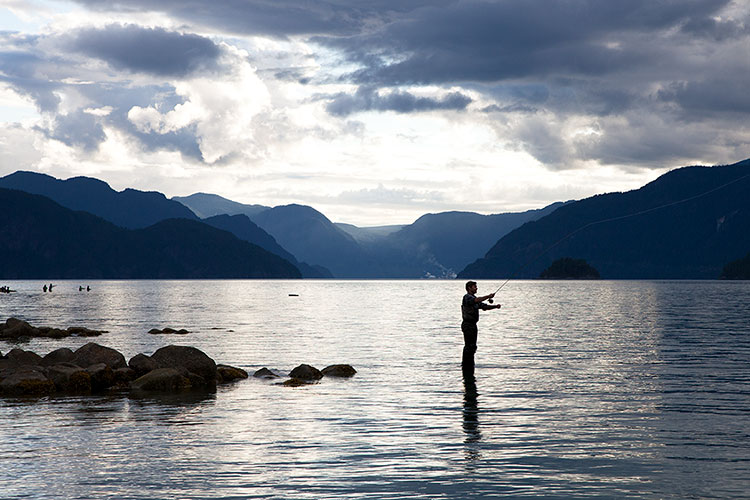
x,y
206,205
688,223
39,239
245,229
130,208
447,241
311,237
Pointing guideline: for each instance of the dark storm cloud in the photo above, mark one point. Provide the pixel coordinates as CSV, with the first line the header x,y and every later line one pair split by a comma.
x,y
495,41
78,129
368,99
148,50
276,18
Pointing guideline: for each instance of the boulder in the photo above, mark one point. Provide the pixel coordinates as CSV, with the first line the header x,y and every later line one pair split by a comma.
x,y
338,371
102,376
62,355
230,373
306,372
91,354
14,328
162,380
68,377
190,358
265,373
142,364
123,377
26,381
21,357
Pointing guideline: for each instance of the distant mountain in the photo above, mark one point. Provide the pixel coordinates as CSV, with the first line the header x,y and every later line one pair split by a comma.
x,y
369,234
39,239
130,208
687,223
445,242
206,205
311,237
738,269
245,229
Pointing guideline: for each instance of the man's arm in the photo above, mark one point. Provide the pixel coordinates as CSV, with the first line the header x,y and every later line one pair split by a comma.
x,y
482,299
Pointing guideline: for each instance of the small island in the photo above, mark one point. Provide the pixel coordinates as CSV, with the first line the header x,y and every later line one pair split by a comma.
x,y
737,270
569,268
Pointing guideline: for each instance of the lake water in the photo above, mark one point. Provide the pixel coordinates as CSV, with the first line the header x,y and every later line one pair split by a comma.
x,y
625,389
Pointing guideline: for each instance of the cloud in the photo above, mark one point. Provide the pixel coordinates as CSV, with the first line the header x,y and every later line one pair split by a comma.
x,y
369,99
149,50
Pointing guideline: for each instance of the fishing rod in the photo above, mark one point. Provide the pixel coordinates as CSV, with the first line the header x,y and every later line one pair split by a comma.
x,y
612,219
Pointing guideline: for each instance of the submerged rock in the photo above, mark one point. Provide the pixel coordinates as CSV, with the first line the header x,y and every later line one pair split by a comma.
x,y
339,371
265,373
306,372
297,382
168,331
228,373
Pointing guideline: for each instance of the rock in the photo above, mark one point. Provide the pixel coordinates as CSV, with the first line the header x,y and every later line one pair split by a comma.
x,y
26,381
339,371
190,358
230,373
15,328
306,372
297,382
265,373
142,364
123,377
91,354
80,331
168,331
102,376
62,355
21,357
161,379
68,377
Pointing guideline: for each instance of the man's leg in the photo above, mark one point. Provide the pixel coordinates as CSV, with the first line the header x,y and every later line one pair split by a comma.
x,y
470,345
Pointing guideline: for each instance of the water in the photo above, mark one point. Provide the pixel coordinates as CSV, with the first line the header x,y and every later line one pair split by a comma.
x,y
583,390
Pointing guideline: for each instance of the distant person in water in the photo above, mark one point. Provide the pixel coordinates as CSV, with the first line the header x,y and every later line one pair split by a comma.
x,y
44,288
470,307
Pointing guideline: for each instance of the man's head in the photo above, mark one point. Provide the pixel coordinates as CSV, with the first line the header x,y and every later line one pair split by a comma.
x,y
471,286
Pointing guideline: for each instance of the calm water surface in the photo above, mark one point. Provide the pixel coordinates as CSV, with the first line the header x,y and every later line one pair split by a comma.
x,y
582,389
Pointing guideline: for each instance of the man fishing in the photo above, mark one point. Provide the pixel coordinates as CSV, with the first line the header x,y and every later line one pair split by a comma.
x,y
470,307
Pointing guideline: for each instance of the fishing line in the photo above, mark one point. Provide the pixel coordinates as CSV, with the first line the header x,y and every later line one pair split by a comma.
x,y
612,219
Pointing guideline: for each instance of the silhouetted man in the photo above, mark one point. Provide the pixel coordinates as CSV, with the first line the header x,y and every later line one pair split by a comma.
x,y
470,307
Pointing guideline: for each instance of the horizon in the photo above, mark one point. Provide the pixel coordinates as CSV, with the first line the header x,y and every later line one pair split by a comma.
x,y
374,113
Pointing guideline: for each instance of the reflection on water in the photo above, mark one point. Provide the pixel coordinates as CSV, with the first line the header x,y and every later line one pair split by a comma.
x,y
596,389
471,416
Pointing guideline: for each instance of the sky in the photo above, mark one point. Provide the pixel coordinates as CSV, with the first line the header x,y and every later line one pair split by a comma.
x,y
374,112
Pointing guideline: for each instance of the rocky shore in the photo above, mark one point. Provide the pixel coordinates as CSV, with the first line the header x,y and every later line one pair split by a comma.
x,y
94,368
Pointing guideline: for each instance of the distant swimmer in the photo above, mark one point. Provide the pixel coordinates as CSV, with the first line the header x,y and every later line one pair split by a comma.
x,y
88,288
470,306
44,288
80,288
